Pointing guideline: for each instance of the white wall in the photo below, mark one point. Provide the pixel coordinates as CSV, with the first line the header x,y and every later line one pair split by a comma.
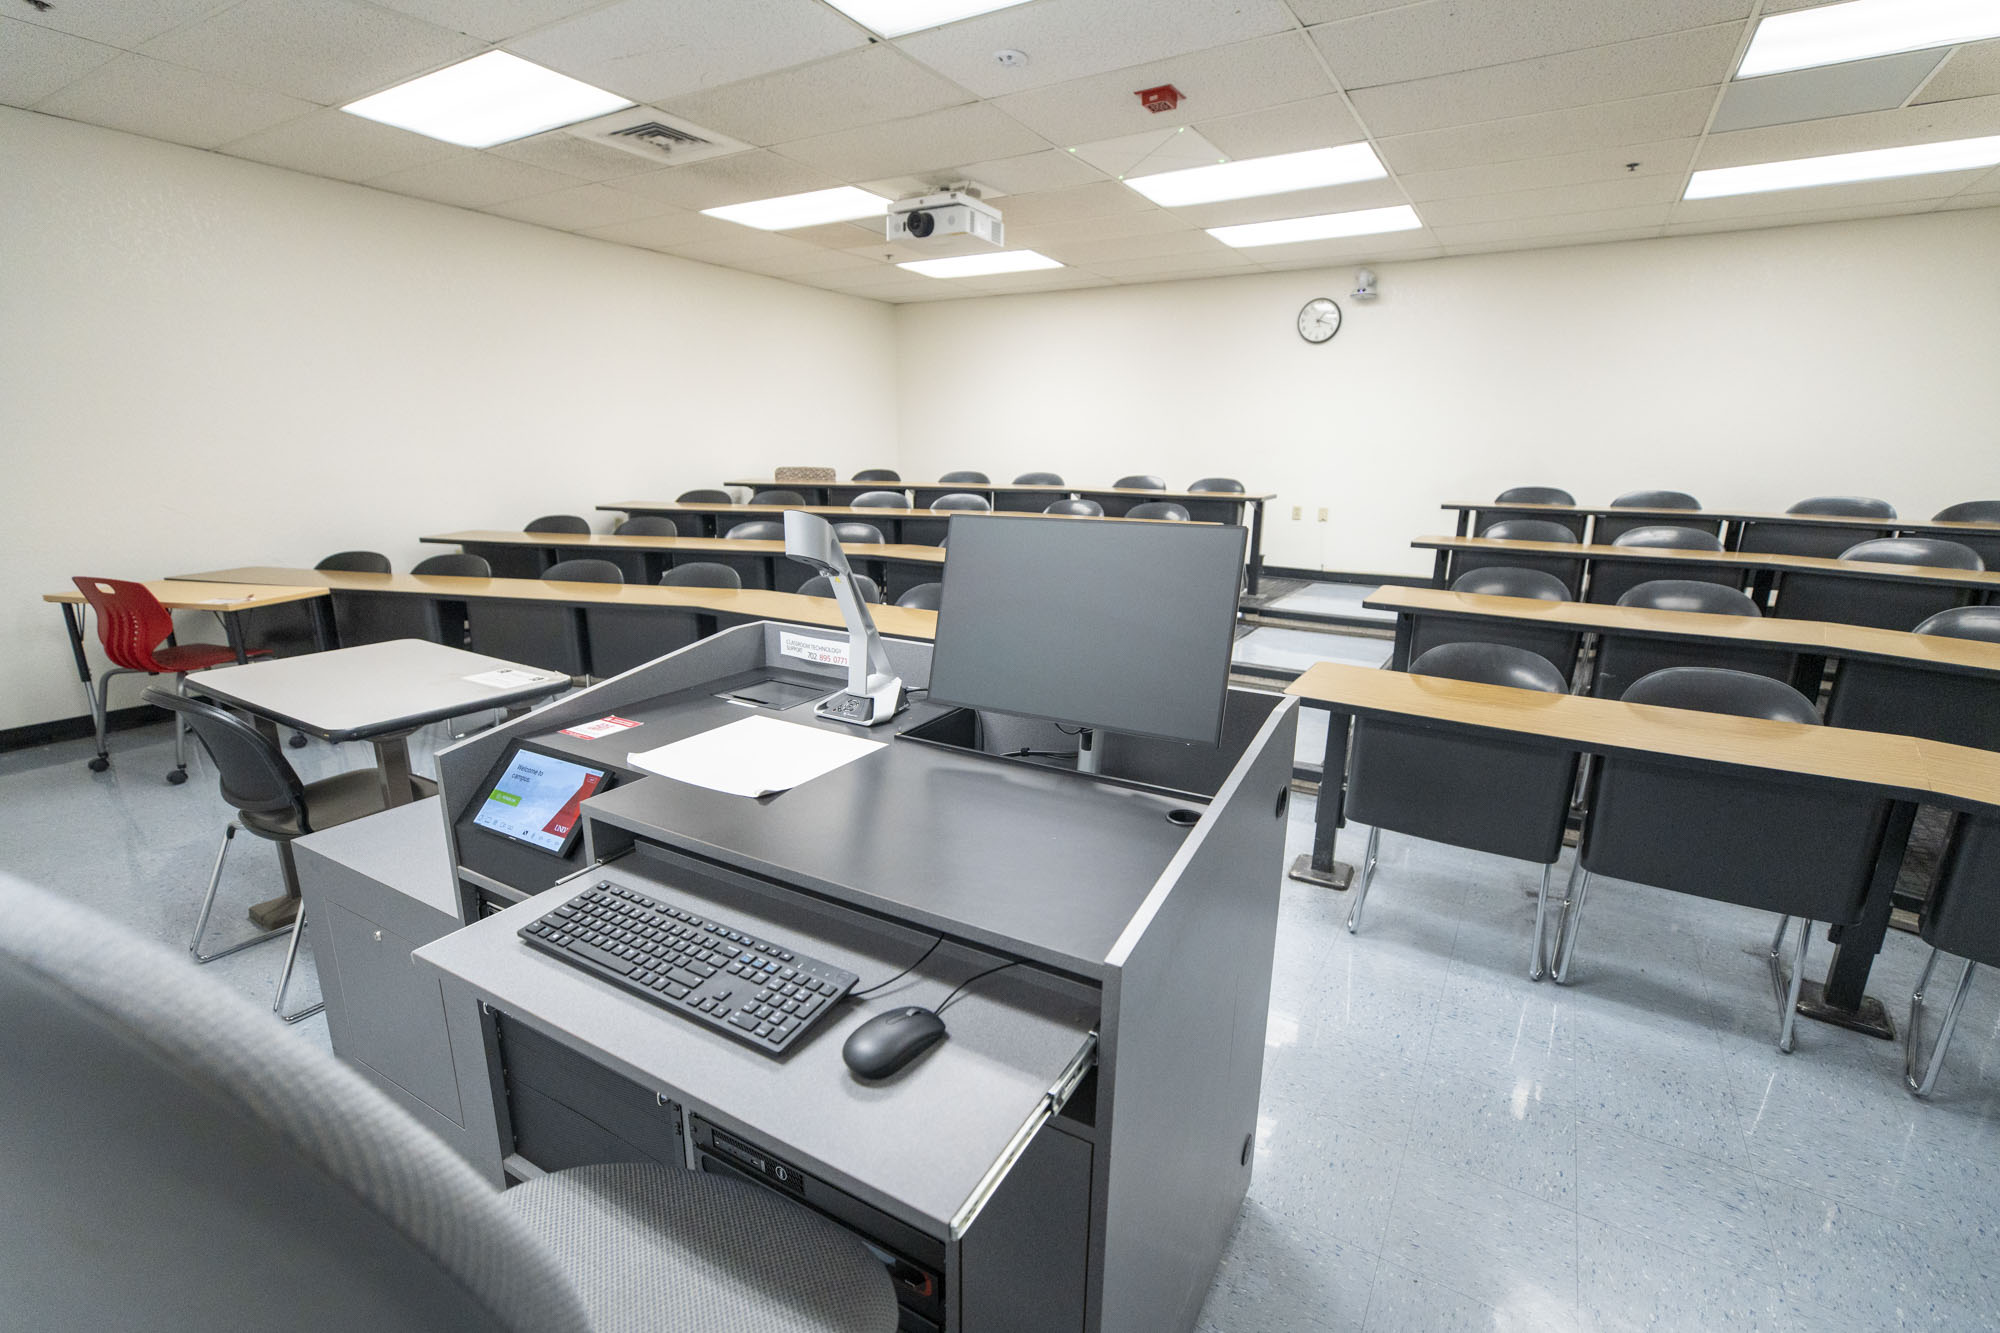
x,y
1752,369
208,362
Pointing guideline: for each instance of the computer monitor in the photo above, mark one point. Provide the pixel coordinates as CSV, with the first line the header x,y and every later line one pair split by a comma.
x,y
1126,627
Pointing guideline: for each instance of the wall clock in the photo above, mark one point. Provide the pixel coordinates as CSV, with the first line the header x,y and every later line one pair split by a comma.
x,y
1319,319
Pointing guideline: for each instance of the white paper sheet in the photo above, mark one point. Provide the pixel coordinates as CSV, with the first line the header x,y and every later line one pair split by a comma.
x,y
508,678
758,756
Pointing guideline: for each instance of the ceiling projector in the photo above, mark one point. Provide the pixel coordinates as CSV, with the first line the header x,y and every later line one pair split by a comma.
x,y
944,216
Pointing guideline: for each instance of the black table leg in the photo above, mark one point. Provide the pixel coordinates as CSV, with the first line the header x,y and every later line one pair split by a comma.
x,y
1440,569
1256,545
1318,866
1406,630
1841,999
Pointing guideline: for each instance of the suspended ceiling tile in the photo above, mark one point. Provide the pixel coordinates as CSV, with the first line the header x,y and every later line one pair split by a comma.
x,y
1316,122
1865,194
903,252
1347,249
863,87
1566,240
37,61
1030,173
332,143
917,144
1637,218
811,259
581,207
1038,280
1332,11
1851,213
472,180
734,179
1073,39
1667,158
123,25
325,51
749,245
1295,204
1967,118
163,101
1697,58
1972,199
1150,153
1442,36
1220,82
1411,256
1154,246
490,20
841,236
1552,133
584,159
1180,265
1560,201
1972,71
649,50
1830,90
1101,199
1149,223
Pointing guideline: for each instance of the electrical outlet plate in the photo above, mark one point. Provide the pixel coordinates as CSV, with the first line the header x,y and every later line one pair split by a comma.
x,y
1298,512
1322,515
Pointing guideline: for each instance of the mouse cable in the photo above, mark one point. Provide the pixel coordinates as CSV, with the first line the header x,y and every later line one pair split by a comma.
x,y
977,976
855,995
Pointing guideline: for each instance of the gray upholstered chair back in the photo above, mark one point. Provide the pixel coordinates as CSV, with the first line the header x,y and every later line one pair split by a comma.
x,y
457,564
962,500
1038,479
1610,580
1159,509
1656,500
923,597
1844,506
1142,481
356,562
1220,485
965,479
1556,644
881,500
174,1161
701,574
1716,690
1663,535
857,532
1076,508
1962,915
1965,622
705,497
1529,530
1969,511
877,474
1511,581
1690,595
779,497
757,530
569,523
1535,495
1490,664
819,585
1624,659
648,525
256,777
1932,551
583,571
1883,603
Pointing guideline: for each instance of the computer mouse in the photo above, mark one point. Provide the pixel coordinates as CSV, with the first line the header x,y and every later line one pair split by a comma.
x,y
890,1040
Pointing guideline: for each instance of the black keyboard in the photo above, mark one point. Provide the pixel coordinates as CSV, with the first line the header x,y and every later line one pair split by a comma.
x,y
749,988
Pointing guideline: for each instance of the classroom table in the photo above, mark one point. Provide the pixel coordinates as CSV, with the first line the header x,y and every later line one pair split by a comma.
x,y
505,552
1908,770
182,595
1982,537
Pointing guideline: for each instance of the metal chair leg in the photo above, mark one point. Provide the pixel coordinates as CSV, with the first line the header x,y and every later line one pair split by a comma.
x,y
100,717
285,977
1571,919
1538,961
1922,1088
1368,859
1788,995
208,905
180,773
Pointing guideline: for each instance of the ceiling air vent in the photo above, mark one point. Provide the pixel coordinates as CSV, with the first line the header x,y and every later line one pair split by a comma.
x,y
648,132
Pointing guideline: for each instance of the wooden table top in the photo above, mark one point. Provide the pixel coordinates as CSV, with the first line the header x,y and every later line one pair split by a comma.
x,y
854,515
982,487
1962,773
186,595
1821,638
907,552
1734,516
1866,569
1607,726
753,603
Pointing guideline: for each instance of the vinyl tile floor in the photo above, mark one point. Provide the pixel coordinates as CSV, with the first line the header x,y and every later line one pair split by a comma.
x,y
1442,1144
1297,649
1331,599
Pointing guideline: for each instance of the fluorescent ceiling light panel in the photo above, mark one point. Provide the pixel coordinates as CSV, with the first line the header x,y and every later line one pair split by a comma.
x,y
486,100
1326,226
1920,159
973,266
1262,175
893,18
1861,29
843,203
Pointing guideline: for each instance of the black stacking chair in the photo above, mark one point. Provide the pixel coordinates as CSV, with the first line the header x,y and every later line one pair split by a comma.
x,y
457,564
1140,482
641,566
1158,509
757,530
881,500
270,801
858,532
1826,540
755,571
1612,579
1486,793
877,474
1961,916
1624,659
1552,642
1026,502
569,523
961,501
1962,708
777,498
1076,508
1609,526
705,497
1038,479
965,479
1219,485
1569,569
1885,605
549,635
1535,495
701,574
1975,511
1770,841
365,617
356,562
622,637
648,525
923,597
819,585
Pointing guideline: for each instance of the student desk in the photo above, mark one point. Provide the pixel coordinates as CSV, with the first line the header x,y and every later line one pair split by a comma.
x,y
527,554
1736,525
1907,770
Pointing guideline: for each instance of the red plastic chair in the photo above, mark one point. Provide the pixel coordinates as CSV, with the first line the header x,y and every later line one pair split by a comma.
x,y
132,626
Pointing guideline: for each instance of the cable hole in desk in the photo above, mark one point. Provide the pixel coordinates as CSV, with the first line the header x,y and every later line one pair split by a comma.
x,y
1184,817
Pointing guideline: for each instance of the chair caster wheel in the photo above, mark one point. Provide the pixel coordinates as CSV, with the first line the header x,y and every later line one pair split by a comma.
x,y
99,764
177,777
298,740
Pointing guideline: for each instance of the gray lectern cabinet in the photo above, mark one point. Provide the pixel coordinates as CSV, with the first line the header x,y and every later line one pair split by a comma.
x,y
1074,1154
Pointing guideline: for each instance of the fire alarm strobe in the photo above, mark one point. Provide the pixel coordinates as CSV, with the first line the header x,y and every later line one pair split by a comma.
x,y
1163,98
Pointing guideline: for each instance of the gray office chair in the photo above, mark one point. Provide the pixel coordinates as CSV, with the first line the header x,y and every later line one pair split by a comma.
x,y
757,530
1912,700
1534,495
1076,508
1159,509
1480,792
1774,842
1885,605
923,597
965,479
1960,916
777,498
880,500
1038,479
705,497
569,523
1612,579
1140,482
356,562
819,585
271,802
457,564
1610,526
176,1163
701,574
961,501
858,532
1553,643
1219,485
877,474
1568,569
1625,659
